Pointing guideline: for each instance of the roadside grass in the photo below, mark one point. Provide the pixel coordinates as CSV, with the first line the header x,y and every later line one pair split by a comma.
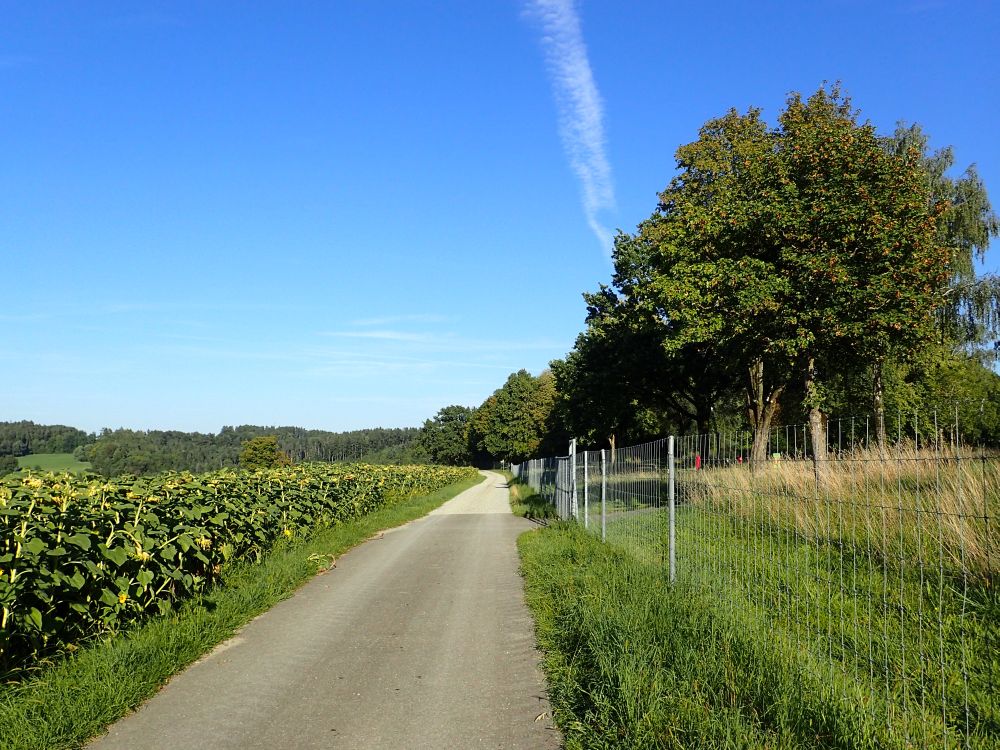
x,y
875,585
913,643
525,502
55,462
915,639
634,662
69,701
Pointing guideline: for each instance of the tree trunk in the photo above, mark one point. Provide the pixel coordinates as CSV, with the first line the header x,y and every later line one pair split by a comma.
x,y
611,444
878,390
762,405
817,428
704,425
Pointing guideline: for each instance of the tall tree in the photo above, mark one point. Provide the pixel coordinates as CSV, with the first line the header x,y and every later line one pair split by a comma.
x,y
970,310
512,424
600,381
478,427
263,453
445,436
620,381
857,230
712,273
781,251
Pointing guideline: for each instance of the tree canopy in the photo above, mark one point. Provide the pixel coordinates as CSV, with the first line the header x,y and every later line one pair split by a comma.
x,y
786,262
22,438
970,311
516,421
8,464
445,436
263,453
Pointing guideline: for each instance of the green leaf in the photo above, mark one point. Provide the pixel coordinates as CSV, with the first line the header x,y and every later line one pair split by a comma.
x,y
117,555
79,540
34,618
33,546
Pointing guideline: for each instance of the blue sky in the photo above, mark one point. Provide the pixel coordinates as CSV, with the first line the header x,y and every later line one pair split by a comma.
x,y
349,214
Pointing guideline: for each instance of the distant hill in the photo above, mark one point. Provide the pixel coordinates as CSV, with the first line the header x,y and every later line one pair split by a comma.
x,y
22,438
115,452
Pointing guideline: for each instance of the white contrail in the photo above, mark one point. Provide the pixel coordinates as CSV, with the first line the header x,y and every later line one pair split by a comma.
x,y
581,112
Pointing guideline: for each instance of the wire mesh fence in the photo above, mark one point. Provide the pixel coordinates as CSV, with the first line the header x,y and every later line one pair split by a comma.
x,y
876,562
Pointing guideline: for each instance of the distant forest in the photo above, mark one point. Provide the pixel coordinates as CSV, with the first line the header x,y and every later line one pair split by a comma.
x,y
115,452
24,438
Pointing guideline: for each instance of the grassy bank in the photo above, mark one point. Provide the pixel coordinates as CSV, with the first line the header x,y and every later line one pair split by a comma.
x,y
914,639
67,703
634,662
525,502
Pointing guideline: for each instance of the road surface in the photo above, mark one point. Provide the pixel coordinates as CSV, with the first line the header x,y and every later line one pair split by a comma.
x,y
416,639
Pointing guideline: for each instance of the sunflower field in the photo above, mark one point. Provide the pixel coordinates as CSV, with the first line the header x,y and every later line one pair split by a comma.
x,y
82,556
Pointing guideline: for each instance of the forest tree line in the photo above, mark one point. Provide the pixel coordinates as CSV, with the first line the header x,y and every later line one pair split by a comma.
x,y
23,438
123,451
138,452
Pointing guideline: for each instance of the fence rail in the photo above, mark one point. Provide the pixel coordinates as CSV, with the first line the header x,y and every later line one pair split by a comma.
x,y
876,565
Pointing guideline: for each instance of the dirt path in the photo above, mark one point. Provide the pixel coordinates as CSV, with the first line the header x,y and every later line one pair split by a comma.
x,y
418,639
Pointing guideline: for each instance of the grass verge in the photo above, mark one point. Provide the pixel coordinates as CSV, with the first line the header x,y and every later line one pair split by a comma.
x,y
525,502
634,662
914,639
71,701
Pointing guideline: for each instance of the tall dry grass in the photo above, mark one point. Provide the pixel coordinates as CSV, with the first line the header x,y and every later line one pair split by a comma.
x,y
909,505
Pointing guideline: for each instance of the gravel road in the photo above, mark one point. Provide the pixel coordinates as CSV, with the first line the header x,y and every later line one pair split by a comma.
x,y
418,638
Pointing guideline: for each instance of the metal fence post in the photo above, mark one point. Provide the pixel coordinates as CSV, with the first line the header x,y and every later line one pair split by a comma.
x,y
604,495
572,469
586,493
670,500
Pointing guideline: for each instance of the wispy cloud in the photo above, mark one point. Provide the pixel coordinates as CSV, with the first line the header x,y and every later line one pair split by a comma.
x,y
384,358
581,112
382,335
191,337
389,320
448,342
129,308
26,318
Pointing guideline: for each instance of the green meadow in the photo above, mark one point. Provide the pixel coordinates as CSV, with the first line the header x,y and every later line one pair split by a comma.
x,y
53,462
